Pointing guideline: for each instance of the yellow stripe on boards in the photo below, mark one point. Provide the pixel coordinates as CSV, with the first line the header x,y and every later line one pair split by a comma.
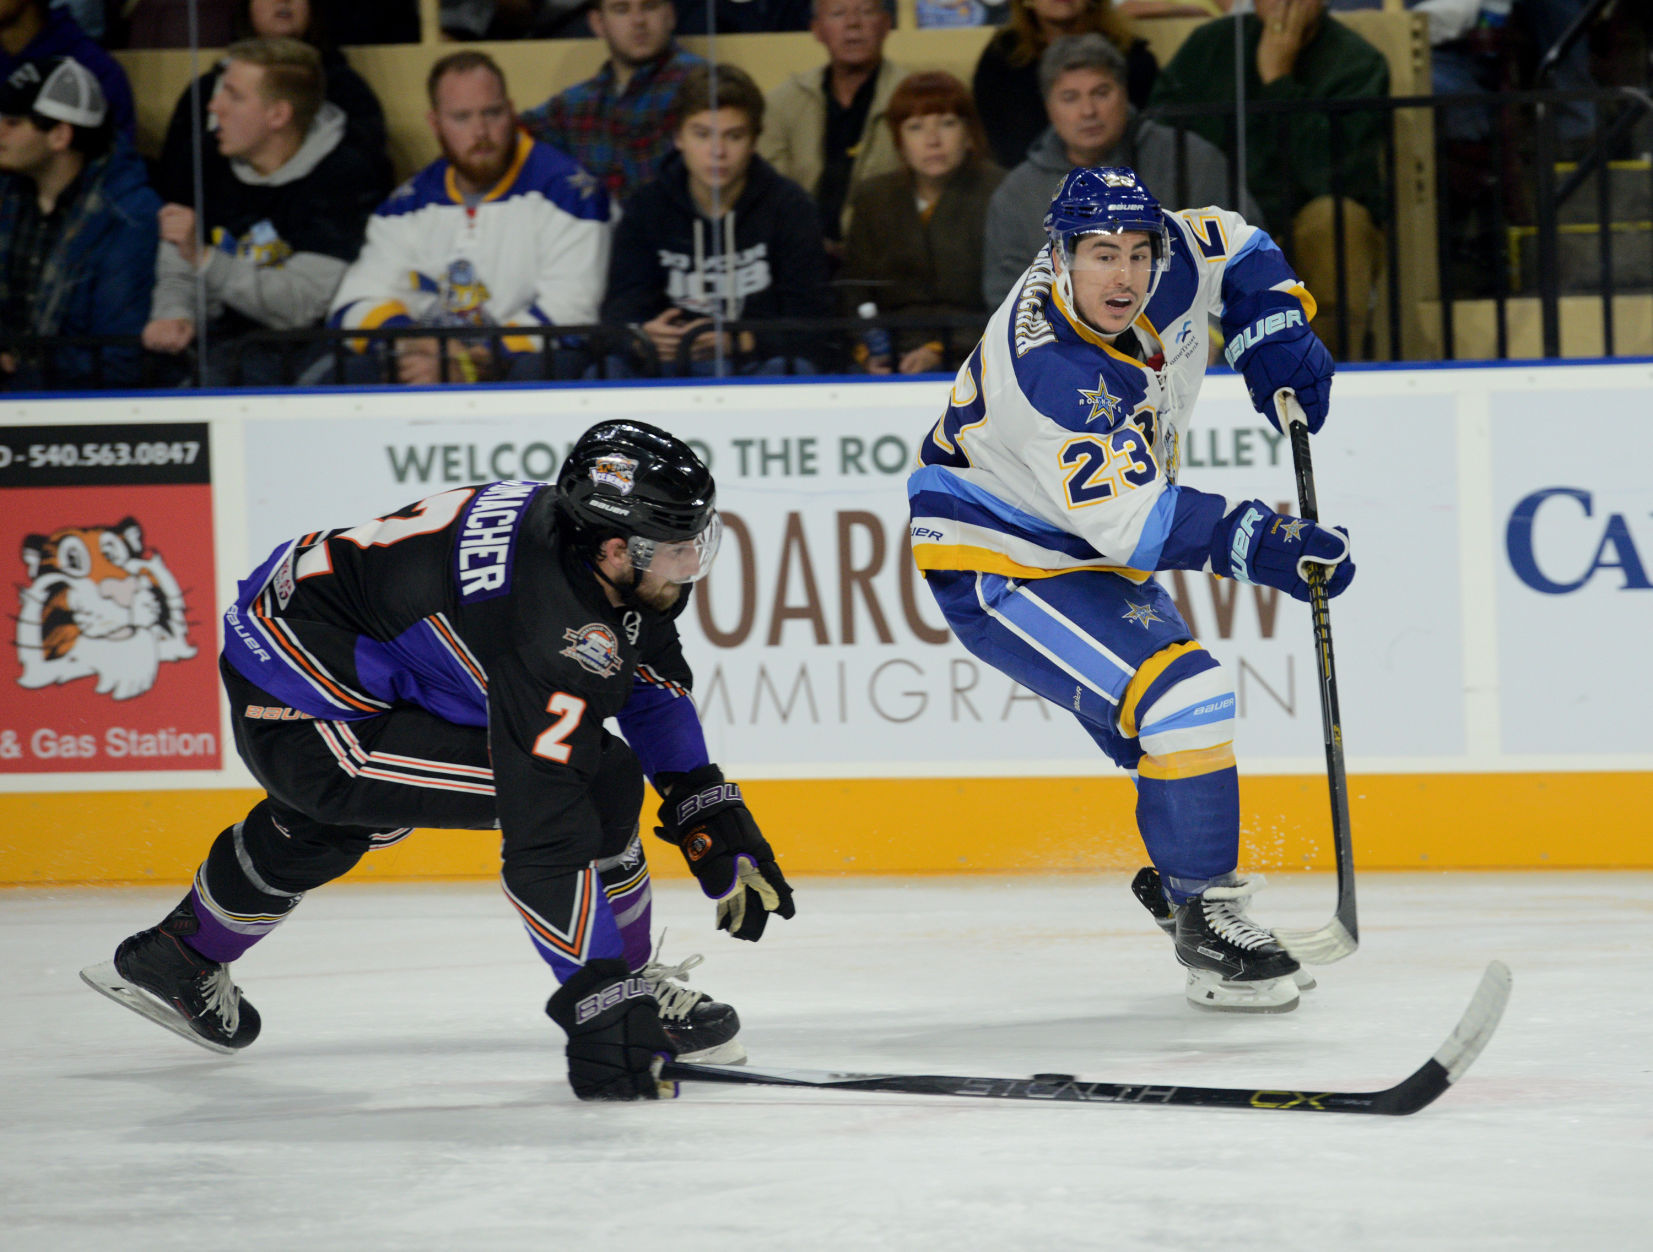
x,y
929,826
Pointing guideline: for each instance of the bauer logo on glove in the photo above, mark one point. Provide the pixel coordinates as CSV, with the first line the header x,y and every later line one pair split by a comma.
x,y
725,850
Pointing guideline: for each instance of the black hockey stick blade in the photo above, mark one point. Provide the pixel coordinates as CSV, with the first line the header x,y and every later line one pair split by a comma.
x,y
1420,1089
1340,936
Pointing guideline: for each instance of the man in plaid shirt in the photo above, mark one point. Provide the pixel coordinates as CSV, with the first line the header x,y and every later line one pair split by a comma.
x,y
619,124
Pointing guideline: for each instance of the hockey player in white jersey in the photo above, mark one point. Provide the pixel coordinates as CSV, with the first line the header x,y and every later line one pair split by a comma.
x,y
1047,497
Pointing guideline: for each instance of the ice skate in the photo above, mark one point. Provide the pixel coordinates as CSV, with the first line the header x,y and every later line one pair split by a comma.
x,y
1233,964
703,1029
1146,888
159,976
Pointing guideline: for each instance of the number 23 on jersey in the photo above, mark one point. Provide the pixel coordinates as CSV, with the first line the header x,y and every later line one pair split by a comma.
x,y
1101,467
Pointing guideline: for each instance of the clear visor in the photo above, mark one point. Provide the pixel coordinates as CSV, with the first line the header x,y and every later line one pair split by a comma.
x,y
683,561
1096,251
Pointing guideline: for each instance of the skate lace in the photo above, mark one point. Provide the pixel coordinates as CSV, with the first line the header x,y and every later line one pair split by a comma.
x,y
1226,916
223,997
675,1002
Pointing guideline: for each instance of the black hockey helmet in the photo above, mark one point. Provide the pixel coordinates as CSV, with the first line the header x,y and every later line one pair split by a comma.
x,y
634,481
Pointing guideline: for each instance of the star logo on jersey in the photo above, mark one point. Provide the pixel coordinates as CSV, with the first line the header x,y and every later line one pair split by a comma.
x,y
1291,531
1104,403
1141,614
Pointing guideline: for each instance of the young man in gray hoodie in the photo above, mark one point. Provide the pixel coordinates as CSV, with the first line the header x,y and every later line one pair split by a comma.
x,y
285,203
1092,123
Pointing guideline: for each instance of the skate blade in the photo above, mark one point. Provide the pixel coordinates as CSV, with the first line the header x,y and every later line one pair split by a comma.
x,y
105,979
1216,995
728,1053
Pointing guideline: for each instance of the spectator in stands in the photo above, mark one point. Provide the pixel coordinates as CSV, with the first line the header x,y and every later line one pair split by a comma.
x,y
293,19
719,232
29,31
618,125
282,216
748,17
499,231
512,19
1091,123
77,227
916,234
1303,167
1006,85
826,129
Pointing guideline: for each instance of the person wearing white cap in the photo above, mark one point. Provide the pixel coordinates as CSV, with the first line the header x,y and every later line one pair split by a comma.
x,y
77,230
30,30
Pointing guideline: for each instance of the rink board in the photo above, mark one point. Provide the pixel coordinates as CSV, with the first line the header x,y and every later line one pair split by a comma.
x,y
1491,654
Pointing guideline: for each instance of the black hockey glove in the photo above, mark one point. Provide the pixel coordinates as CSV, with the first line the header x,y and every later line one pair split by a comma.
x,y
616,1044
706,818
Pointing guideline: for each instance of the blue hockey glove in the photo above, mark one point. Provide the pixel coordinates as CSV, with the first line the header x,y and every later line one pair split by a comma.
x,y
1277,348
1254,544
707,819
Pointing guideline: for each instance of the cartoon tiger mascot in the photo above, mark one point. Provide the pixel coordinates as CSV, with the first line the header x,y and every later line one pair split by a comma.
x,y
95,605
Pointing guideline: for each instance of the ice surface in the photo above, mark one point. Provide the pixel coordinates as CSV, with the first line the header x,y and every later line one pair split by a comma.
x,y
408,1091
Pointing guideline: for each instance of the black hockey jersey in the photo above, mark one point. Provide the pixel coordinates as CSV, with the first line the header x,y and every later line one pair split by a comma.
x,y
464,604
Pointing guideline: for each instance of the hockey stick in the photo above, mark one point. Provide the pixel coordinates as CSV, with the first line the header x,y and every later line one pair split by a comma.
x,y
1341,935
1421,1088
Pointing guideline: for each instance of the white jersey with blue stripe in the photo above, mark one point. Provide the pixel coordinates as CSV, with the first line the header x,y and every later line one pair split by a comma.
x,y
1060,452
532,251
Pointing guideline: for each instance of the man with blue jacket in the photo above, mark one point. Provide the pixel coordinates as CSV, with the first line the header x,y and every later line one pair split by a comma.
x,y
77,229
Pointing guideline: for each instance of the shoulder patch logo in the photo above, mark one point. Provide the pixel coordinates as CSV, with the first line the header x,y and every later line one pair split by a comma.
x,y
595,648
619,472
1104,404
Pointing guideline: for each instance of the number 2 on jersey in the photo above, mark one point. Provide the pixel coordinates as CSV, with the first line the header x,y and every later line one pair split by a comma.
x,y
553,742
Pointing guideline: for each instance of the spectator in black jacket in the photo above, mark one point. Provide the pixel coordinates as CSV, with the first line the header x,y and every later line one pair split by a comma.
x,y
1006,84
719,236
283,215
269,19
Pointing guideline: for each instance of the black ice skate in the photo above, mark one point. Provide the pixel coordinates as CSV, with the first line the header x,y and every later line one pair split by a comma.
x,y
1147,889
702,1029
1233,964
159,976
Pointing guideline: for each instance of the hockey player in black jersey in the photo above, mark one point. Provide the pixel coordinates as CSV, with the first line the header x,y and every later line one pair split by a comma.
x,y
451,665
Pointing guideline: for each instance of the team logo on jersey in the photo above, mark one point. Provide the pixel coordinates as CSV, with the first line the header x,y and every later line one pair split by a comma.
x,y
619,472
595,648
96,607
1141,614
632,623
1104,403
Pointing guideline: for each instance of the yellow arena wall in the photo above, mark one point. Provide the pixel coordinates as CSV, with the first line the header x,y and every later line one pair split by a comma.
x,y
921,826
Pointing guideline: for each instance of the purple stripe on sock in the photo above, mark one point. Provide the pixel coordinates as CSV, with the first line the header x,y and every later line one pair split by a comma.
x,y
216,941
635,933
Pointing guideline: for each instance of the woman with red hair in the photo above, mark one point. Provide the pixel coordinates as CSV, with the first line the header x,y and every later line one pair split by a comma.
x,y
915,235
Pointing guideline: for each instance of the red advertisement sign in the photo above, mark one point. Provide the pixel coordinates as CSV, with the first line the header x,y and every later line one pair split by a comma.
x,y
108,534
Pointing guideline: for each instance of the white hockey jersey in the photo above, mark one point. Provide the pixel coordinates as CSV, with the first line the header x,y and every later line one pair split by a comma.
x,y
533,251
1060,452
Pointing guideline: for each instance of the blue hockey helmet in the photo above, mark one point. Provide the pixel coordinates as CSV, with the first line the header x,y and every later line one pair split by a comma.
x,y
1106,200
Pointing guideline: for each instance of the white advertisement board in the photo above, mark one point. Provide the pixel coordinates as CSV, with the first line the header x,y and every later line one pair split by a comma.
x,y
1502,524
817,647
